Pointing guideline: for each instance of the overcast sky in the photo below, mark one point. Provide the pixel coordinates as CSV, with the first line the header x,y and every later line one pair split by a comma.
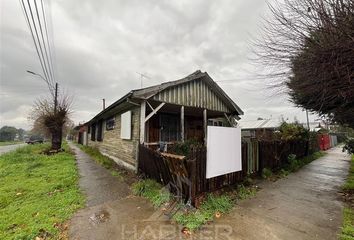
x,y
100,45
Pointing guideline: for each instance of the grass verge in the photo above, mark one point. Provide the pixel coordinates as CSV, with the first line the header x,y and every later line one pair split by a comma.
x,y
348,212
38,193
102,160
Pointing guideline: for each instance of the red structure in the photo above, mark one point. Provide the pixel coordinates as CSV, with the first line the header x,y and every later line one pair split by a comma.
x,y
324,141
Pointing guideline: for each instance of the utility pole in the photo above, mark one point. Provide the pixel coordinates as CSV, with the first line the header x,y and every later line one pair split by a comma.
x,y
307,117
56,98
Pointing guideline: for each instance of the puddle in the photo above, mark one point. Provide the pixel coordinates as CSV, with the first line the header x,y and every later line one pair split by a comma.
x,y
99,217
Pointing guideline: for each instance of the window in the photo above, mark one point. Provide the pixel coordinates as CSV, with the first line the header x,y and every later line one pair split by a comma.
x,y
99,130
215,122
169,128
88,129
93,132
126,125
110,123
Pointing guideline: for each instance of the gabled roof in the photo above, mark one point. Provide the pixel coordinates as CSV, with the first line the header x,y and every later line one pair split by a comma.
x,y
146,93
149,92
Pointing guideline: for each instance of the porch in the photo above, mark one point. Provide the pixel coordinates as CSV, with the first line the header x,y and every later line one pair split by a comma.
x,y
164,124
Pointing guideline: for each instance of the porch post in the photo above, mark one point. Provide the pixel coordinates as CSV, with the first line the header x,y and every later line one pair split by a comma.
x,y
182,123
142,122
205,123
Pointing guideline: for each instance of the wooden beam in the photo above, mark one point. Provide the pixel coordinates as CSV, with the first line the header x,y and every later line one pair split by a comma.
x,y
182,123
154,111
142,122
205,123
228,119
150,105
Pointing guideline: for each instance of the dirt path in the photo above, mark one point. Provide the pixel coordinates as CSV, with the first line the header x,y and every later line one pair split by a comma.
x,y
304,205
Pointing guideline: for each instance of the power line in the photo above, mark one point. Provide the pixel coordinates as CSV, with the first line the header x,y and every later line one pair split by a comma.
x,y
49,49
44,45
39,43
32,34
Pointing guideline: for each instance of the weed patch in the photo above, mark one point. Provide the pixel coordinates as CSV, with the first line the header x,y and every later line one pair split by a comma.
x,y
245,192
266,173
97,156
213,206
151,190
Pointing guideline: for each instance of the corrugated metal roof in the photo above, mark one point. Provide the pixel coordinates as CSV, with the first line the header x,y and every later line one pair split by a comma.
x,y
259,124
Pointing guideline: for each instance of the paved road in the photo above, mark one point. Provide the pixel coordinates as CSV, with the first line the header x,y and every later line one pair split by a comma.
x,y
305,205
8,148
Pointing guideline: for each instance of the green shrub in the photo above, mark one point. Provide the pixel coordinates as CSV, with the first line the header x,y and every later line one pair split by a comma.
x,y
294,164
183,148
349,146
292,131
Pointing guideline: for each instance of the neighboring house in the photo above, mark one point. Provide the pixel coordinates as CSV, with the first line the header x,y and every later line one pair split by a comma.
x,y
81,134
166,113
259,129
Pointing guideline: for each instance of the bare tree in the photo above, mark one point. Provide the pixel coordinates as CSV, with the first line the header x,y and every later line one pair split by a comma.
x,y
308,49
52,116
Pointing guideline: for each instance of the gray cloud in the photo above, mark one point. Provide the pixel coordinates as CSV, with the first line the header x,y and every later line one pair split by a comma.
x,y
99,47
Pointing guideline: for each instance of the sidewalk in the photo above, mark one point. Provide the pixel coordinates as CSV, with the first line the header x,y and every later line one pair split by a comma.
x,y
304,205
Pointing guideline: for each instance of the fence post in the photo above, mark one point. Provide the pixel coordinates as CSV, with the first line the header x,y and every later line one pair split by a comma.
x,y
191,163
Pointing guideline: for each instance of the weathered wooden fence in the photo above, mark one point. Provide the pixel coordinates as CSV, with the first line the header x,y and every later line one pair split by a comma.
x,y
273,154
192,183
197,171
187,176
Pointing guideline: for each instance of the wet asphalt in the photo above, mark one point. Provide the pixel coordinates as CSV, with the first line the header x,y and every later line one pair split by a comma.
x,y
304,205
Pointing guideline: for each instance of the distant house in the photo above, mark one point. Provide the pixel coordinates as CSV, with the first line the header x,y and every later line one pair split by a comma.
x,y
166,113
259,129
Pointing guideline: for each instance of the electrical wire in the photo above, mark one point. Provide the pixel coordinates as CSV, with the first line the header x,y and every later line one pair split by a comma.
x,y
42,45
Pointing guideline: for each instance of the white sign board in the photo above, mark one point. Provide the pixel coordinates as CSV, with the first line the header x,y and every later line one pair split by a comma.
x,y
223,151
126,125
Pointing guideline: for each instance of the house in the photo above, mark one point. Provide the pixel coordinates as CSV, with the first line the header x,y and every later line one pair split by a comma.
x,y
172,111
259,129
